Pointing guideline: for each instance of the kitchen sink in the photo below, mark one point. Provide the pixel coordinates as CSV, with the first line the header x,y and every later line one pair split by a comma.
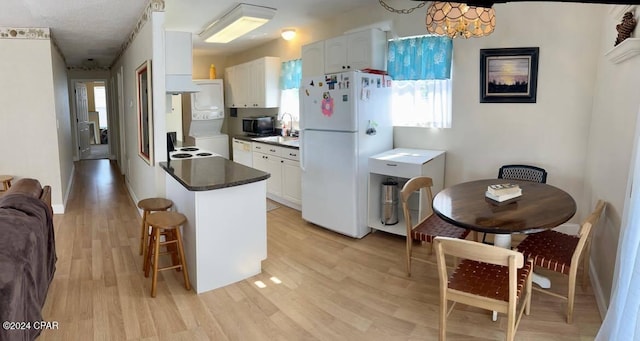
x,y
283,140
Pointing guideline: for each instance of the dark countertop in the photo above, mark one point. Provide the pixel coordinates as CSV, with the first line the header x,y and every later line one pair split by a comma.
x,y
209,173
256,139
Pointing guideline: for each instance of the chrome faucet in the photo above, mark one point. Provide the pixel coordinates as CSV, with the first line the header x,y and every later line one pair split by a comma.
x,y
290,123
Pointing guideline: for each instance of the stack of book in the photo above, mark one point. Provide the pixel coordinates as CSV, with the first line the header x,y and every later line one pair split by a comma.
x,y
503,192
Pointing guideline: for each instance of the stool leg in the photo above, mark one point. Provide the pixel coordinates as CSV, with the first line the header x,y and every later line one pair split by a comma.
x,y
156,249
185,272
148,254
144,233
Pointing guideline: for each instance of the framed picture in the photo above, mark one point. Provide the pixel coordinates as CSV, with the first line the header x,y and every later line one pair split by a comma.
x,y
509,75
145,112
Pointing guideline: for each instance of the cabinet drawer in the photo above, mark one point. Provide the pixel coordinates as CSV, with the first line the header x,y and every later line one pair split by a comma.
x,y
266,149
290,153
393,168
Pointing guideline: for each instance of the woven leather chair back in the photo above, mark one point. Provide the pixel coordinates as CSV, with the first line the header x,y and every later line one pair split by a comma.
x,y
523,172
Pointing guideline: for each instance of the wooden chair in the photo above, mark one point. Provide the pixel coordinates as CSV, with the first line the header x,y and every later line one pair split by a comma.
x,y
561,253
428,227
165,223
149,206
488,277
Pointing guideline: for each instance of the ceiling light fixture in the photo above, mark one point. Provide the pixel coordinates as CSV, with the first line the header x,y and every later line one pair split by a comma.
x,y
241,20
454,19
460,20
288,33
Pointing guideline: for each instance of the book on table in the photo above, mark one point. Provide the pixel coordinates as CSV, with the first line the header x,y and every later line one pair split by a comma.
x,y
504,189
503,197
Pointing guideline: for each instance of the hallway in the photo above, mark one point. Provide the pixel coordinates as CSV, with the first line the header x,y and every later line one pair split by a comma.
x,y
318,285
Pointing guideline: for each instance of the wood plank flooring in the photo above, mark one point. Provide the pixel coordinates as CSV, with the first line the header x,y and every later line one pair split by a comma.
x,y
319,285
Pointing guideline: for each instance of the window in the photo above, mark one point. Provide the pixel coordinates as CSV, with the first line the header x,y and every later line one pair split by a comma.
x,y
290,78
421,72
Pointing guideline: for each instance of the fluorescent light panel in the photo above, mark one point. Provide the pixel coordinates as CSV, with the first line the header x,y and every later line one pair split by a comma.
x,y
241,20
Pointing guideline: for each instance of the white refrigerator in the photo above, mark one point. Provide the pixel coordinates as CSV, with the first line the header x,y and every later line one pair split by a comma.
x,y
344,119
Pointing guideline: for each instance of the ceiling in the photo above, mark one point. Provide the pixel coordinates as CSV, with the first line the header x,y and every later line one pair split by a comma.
x,y
90,33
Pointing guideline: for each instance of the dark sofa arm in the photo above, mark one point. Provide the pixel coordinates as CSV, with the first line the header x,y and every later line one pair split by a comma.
x,y
31,187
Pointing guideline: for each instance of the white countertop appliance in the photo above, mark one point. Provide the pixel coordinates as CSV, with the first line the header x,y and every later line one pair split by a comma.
x,y
207,116
345,118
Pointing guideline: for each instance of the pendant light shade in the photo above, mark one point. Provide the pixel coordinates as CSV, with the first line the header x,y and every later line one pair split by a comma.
x,y
460,20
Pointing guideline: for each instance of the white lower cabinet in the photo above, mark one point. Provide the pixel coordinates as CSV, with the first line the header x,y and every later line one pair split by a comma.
x,y
284,185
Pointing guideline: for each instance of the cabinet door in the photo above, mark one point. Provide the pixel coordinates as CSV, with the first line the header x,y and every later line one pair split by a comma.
x,y
291,185
232,87
272,165
359,50
313,59
256,84
335,55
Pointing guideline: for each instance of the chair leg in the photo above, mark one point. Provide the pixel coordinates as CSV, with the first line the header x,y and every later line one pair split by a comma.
x,y
585,267
147,255
156,249
571,293
144,232
443,317
409,241
183,261
527,308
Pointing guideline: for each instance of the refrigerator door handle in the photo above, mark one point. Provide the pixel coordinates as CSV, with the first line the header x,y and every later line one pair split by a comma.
x,y
300,150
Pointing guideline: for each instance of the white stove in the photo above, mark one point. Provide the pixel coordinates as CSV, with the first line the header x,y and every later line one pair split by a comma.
x,y
185,153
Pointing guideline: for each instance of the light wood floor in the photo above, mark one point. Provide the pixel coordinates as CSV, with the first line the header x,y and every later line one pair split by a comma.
x,y
332,287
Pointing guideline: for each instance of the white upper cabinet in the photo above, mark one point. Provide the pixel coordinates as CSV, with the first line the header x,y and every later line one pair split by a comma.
x,y
355,51
254,84
313,59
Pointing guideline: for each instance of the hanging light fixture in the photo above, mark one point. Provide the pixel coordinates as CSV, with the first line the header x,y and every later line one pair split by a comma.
x,y
460,20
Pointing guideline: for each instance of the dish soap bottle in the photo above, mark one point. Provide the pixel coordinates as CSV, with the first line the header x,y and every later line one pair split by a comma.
x,y
212,72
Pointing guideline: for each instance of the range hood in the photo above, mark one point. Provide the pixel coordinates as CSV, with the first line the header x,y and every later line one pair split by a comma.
x,y
179,62
177,84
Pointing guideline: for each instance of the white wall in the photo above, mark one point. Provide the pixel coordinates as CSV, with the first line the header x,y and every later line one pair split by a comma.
x,y
63,125
144,180
611,138
28,144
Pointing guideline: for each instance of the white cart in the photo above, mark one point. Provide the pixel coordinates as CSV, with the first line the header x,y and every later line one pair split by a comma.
x,y
401,164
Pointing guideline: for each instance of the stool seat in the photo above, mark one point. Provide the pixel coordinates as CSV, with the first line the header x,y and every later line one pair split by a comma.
x,y
6,181
147,206
167,224
155,204
166,220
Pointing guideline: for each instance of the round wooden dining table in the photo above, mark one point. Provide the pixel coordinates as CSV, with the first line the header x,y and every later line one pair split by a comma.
x,y
540,207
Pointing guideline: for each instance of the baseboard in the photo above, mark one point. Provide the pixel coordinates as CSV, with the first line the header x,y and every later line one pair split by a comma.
x,y
133,196
597,290
284,201
59,208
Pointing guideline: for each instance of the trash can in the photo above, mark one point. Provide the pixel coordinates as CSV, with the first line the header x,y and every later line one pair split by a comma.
x,y
389,204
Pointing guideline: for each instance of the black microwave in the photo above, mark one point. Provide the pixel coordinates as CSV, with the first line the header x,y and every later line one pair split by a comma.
x,y
260,125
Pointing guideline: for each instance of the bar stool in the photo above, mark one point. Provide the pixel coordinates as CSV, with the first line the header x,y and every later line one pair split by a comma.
x,y
6,181
147,206
165,223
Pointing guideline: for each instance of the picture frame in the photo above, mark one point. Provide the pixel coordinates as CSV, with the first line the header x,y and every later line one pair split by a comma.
x,y
509,75
145,111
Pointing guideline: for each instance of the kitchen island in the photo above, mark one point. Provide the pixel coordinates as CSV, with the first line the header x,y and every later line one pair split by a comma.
x,y
225,237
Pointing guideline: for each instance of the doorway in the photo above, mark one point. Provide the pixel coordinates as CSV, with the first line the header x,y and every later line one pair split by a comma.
x,y
94,128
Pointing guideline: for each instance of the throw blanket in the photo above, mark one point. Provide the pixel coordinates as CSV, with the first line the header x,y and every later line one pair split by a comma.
x,y
27,262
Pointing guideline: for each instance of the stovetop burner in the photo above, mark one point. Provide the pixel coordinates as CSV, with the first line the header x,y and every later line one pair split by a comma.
x,y
204,154
181,155
189,149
